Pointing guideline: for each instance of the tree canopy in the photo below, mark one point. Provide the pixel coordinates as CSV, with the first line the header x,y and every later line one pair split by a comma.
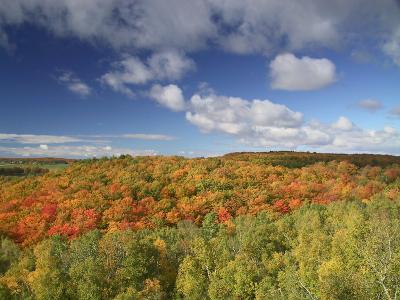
x,y
232,227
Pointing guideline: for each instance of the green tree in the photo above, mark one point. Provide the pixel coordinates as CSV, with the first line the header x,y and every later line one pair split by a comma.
x,y
86,272
49,279
191,282
9,253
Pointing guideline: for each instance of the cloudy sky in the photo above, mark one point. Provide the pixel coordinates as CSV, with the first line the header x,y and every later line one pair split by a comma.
x,y
198,78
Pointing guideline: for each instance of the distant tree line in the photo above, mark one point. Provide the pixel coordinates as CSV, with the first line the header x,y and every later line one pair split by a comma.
x,y
22,171
292,159
38,160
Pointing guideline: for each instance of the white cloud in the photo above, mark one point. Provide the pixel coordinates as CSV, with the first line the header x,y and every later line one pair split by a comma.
x,y
238,116
143,24
241,26
58,146
165,65
169,96
343,123
74,84
37,139
267,26
82,151
267,113
128,71
341,136
135,136
290,73
44,140
148,137
262,123
371,105
169,65
199,153
79,88
392,47
386,140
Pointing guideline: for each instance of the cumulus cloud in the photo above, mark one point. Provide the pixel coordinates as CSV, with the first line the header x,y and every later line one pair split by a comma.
x,y
263,123
82,151
386,140
241,26
267,26
166,65
144,24
371,105
169,96
238,116
259,123
128,71
343,123
74,84
290,73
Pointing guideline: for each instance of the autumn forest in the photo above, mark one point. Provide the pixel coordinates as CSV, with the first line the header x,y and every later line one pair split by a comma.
x,y
276,225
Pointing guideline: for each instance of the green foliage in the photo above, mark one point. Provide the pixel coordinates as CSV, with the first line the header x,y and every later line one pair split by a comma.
x,y
236,227
191,282
9,253
48,280
345,250
210,225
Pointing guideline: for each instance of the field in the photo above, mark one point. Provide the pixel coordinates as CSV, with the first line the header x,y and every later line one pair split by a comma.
x,y
31,166
55,166
276,225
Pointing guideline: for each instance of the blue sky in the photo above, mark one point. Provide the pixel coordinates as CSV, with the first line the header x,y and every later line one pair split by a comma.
x,y
198,78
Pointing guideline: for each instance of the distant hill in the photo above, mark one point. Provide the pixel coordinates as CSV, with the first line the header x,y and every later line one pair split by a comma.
x,y
299,159
46,160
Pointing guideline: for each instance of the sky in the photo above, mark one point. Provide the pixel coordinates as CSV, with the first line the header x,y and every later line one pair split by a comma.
x,y
198,78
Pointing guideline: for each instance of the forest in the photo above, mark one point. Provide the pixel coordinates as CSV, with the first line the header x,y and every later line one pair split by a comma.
x,y
274,225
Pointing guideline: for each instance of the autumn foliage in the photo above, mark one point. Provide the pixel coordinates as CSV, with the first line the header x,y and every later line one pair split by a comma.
x,y
149,192
244,226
